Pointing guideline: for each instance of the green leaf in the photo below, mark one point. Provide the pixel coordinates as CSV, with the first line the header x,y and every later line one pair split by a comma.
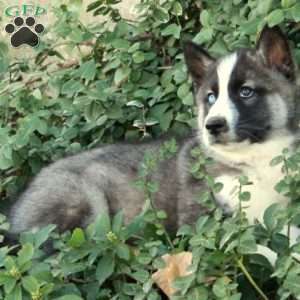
x,y
177,9
69,297
201,223
161,14
25,254
131,289
114,64
115,112
43,235
292,283
141,276
138,57
218,186
271,216
173,30
10,285
5,163
264,6
94,5
283,265
135,226
247,243
102,225
120,44
30,284
275,17
282,187
161,214
243,180
288,3
105,268
72,87
166,120
295,12
204,18
9,263
183,283
276,160
123,251
230,230
118,222
183,90
101,121
244,196
220,287
15,294
198,293
188,99
185,230
77,239
88,70
121,75
204,36
135,103
38,124
47,288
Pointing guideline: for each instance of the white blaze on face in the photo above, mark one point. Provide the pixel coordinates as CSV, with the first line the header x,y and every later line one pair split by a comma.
x,y
224,107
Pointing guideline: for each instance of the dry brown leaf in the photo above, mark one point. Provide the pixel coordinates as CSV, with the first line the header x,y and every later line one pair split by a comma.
x,y
176,266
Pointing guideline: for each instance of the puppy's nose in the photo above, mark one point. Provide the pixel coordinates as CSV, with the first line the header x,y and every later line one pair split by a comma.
x,y
216,125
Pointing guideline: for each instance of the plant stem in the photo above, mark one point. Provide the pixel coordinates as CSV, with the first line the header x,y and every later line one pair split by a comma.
x,y
167,236
250,279
240,216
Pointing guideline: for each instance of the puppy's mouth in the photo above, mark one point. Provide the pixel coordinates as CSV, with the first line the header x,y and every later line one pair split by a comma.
x,y
254,134
221,138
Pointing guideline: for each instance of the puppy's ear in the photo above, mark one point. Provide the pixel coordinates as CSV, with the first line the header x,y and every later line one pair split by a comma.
x,y
197,61
274,48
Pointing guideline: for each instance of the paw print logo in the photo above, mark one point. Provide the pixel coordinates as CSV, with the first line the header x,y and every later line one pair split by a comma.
x,y
24,32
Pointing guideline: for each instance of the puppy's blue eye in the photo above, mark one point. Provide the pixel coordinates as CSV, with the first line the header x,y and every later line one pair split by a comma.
x,y
211,98
246,92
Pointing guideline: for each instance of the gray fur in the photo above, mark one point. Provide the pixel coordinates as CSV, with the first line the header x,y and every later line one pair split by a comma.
x,y
73,191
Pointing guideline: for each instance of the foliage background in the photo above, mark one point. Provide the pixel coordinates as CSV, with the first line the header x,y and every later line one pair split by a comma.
x,y
131,83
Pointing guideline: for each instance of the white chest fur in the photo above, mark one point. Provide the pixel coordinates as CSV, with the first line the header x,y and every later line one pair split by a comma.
x,y
263,179
253,161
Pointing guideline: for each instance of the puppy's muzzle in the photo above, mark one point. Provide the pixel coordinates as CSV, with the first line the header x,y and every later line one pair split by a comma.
x,y
216,125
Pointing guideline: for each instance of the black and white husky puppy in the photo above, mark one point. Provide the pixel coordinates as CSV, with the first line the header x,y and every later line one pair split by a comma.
x,y
247,115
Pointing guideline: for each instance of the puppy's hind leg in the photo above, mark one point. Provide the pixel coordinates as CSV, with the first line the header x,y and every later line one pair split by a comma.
x,y
66,201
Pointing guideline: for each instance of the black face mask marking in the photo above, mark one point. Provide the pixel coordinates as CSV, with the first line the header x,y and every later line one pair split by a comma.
x,y
254,121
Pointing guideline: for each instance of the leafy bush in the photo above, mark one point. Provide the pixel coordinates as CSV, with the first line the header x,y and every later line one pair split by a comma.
x,y
133,83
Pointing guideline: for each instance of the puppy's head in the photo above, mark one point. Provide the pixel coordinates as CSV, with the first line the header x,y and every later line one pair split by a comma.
x,y
246,95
